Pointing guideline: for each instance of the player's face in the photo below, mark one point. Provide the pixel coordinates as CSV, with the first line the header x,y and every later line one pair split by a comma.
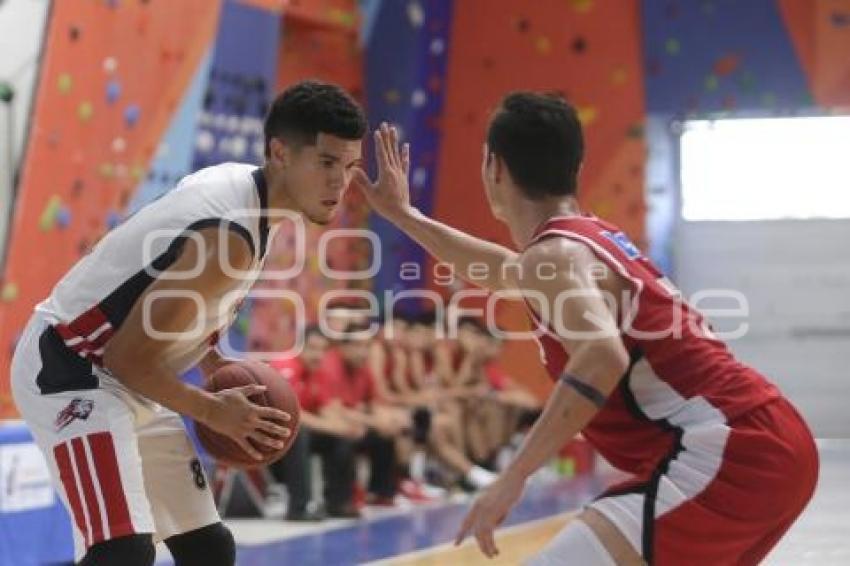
x,y
354,352
420,337
314,350
319,174
468,338
396,332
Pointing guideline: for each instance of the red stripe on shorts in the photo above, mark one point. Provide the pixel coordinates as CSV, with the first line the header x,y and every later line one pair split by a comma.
x,y
66,475
89,494
114,498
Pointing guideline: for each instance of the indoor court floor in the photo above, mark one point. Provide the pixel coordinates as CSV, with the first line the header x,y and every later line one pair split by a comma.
x,y
422,535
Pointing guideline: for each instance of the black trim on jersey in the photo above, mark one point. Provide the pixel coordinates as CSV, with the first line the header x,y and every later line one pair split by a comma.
x,y
62,368
116,306
634,357
651,488
263,193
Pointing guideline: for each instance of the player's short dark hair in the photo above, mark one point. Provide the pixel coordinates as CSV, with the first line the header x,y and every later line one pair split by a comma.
x,y
306,109
313,330
354,332
539,138
474,323
427,318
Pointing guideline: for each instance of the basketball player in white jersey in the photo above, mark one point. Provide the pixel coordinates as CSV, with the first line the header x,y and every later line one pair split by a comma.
x,y
96,372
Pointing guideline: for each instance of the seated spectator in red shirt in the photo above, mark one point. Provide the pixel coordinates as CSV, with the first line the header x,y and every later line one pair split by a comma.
x,y
493,403
354,396
323,431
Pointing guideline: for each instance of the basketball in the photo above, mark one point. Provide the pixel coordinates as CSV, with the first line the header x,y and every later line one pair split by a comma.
x,y
278,394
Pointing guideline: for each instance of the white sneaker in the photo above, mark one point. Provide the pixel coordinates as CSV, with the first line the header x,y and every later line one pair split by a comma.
x,y
480,478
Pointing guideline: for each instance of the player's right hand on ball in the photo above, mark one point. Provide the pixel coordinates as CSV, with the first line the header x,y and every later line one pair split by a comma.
x,y
240,419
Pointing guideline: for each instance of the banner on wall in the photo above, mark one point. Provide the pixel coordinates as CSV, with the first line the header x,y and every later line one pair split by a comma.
x,y
24,479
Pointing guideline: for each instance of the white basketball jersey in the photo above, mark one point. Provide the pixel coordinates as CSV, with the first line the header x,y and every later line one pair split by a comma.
x,y
92,300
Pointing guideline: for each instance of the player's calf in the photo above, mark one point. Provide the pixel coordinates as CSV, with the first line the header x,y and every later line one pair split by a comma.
x,y
131,550
212,545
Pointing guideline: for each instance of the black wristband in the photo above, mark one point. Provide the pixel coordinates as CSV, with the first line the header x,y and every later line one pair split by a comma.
x,y
589,392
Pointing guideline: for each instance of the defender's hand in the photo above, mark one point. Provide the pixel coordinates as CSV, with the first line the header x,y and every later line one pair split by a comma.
x,y
389,195
488,512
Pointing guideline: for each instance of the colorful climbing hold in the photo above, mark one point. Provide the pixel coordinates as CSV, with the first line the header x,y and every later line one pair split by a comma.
x,y
48,215
542,44
65,83
415,14
113,91
672,46
131,115
63,217
119,144
619,75
112,219
747,82
587,115
581,6
579,45
110,65
85,111
137,172
727,64
392,96
418,98
438,45
10,292
106,170
635,131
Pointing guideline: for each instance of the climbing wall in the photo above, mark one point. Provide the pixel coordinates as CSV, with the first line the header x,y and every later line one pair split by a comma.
x,y
712,58
720,55
820,32
113,76
406,62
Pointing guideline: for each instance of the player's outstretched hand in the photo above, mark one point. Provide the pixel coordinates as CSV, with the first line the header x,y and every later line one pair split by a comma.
x,y
488,511
240,419
389,195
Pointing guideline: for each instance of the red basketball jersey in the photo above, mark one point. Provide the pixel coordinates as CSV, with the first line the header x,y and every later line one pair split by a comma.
x,y
680,375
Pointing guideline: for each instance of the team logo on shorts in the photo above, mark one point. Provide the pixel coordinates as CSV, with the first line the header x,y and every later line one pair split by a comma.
x,y
76,409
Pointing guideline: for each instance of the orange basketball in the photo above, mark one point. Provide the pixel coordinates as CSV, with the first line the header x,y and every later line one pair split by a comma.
x,y
278,394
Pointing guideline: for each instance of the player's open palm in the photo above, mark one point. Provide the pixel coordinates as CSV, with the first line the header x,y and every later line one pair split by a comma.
x,y
389,195
240,419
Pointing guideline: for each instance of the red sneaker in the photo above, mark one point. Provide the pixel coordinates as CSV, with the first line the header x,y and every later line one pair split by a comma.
x,y
413,491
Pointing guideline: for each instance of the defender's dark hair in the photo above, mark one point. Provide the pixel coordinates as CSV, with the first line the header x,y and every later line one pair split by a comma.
x,y
539,138
310,107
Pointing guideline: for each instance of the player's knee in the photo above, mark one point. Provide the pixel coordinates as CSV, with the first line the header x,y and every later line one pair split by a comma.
x,y
579,542
212,545
132,550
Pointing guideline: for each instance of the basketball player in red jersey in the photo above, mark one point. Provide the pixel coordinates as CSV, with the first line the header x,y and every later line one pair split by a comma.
x,y
722,462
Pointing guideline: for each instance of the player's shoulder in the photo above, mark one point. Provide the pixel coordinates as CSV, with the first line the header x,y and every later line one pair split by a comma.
x,y
233,180
555,250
